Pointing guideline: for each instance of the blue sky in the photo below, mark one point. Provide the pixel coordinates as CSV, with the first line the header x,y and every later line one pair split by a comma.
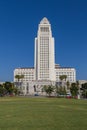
x,y
19,21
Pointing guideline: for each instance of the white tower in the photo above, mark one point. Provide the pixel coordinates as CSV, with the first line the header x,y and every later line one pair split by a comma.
x,y
44,52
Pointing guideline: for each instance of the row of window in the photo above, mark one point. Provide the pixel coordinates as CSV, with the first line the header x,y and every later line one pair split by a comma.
x,y
44,61
44,47
44,42
29,78
72,80
60,73
44,38
44,29
42,67
27,73
25,70
45,78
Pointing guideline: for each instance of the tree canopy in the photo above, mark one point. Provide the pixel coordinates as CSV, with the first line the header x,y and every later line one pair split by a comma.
x,y
48,89
74,89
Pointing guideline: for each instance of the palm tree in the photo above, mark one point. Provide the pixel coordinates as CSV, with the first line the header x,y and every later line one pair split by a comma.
x,y
68,85
18,77
77,83
65,77
62,77
60,91
78,86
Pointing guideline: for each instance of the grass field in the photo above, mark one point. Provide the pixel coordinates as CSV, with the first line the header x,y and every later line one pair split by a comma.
x,y
23,113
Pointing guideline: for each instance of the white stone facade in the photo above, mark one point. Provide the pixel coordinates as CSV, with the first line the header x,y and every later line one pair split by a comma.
x,y
29,74
69,72
45,72
44,52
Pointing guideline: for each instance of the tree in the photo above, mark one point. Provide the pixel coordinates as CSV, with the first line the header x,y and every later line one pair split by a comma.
x,y
65,77
8,87
16,91
74,89
68,85
48,89
2,90
60,91
84,90
77,83
62,77
84,86
18,77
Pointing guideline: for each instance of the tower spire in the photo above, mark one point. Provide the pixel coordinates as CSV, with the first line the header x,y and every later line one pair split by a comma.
x,y
44,21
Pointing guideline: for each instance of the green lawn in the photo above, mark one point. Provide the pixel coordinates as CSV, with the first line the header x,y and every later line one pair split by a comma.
x,y
23,113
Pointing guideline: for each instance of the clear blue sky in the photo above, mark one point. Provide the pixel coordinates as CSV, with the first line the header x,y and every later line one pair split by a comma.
x,y
19,21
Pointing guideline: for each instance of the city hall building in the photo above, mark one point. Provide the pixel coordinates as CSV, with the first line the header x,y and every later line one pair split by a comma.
x,y
45,71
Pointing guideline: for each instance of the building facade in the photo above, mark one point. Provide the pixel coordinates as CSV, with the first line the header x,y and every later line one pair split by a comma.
x,y
44,52
45,71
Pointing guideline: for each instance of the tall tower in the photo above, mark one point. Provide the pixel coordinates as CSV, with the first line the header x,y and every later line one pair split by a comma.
x,y
44,52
